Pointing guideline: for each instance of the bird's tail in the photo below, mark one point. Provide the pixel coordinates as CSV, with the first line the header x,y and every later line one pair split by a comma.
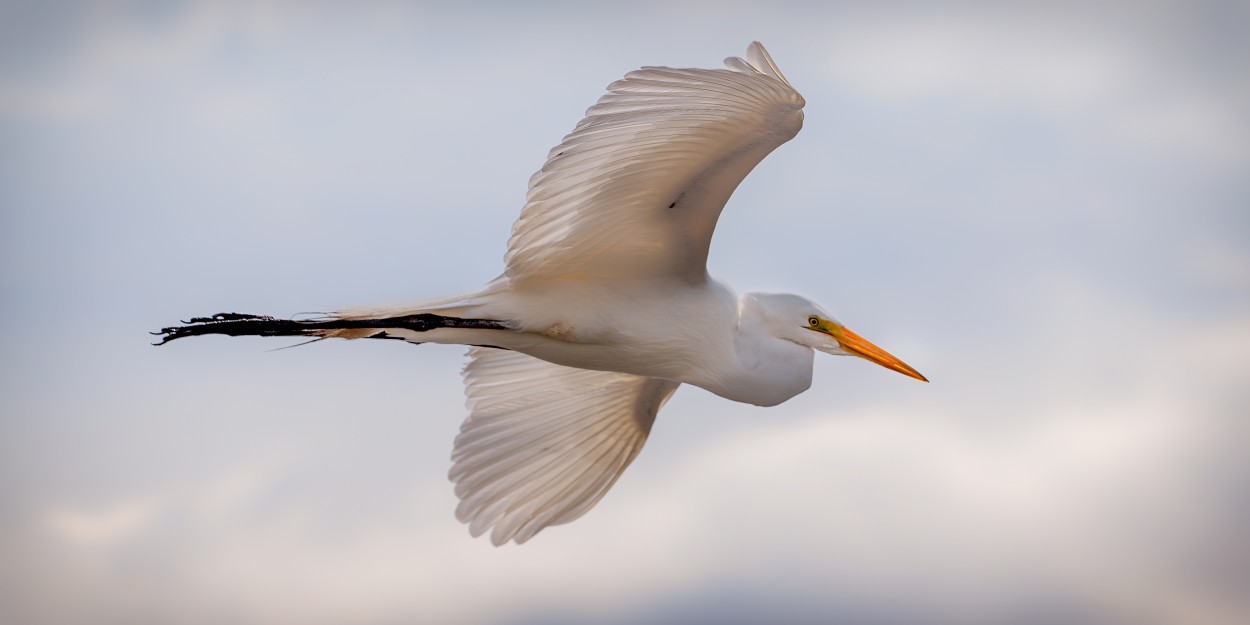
x,y
408,327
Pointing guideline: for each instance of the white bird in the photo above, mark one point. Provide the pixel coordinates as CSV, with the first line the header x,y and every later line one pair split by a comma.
x,y
605,306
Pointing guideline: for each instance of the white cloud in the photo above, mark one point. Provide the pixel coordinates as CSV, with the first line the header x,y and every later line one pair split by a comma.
x,y
103,526
1073,67
980,57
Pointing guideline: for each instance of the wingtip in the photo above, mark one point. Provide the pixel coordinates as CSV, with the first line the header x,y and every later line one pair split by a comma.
x,y
759,60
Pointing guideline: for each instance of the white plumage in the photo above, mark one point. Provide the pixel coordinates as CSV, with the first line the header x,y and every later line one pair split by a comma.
x,y
660,137
605,305
543,442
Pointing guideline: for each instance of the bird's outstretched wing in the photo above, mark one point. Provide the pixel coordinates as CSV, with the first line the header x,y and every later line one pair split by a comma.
x,y
635,190
543,443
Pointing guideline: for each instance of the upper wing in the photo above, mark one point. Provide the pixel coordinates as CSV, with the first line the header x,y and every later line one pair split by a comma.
x,y
636,188
543,443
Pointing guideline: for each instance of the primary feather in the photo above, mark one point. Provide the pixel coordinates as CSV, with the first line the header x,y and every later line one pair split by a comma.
x,y
635,190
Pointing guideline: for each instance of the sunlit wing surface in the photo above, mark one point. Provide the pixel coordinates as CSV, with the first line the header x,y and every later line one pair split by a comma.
x,y
605,305
635,190
542,442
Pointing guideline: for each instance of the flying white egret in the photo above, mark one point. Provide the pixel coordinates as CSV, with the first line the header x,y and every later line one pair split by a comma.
x,y
605,306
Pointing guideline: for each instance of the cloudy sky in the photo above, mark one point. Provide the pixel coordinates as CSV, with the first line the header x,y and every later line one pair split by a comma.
x,y
1044,210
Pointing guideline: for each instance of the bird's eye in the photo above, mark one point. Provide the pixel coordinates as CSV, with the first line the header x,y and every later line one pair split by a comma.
x,y
813,321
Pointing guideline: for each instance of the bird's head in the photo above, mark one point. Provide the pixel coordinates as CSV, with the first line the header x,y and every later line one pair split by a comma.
x,y
802,321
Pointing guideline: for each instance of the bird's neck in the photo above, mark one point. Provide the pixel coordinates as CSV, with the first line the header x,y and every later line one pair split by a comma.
x,y
764,370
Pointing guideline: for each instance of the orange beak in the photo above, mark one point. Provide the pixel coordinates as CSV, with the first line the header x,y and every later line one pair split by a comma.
x,y
855,344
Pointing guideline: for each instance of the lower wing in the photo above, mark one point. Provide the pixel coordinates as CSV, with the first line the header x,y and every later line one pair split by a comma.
x,y
543,443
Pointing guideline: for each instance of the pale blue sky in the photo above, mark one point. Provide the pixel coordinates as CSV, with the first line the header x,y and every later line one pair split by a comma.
x,y
1045,210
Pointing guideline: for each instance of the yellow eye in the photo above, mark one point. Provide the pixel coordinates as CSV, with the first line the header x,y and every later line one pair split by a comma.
x,y
813,321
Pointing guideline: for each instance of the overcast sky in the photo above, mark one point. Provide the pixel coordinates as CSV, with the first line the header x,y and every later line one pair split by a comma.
x,y
1046,211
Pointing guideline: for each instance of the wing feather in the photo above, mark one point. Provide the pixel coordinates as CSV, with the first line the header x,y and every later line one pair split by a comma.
x,y
543,443
636,189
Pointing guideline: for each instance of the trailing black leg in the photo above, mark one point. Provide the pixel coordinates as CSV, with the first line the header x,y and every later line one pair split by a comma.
x,y
239,324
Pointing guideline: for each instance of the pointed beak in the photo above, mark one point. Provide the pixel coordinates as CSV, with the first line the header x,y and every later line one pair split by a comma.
x,y
853,343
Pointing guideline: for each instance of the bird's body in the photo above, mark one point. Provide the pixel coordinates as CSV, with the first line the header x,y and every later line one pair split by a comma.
x,y
605,306
689,332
